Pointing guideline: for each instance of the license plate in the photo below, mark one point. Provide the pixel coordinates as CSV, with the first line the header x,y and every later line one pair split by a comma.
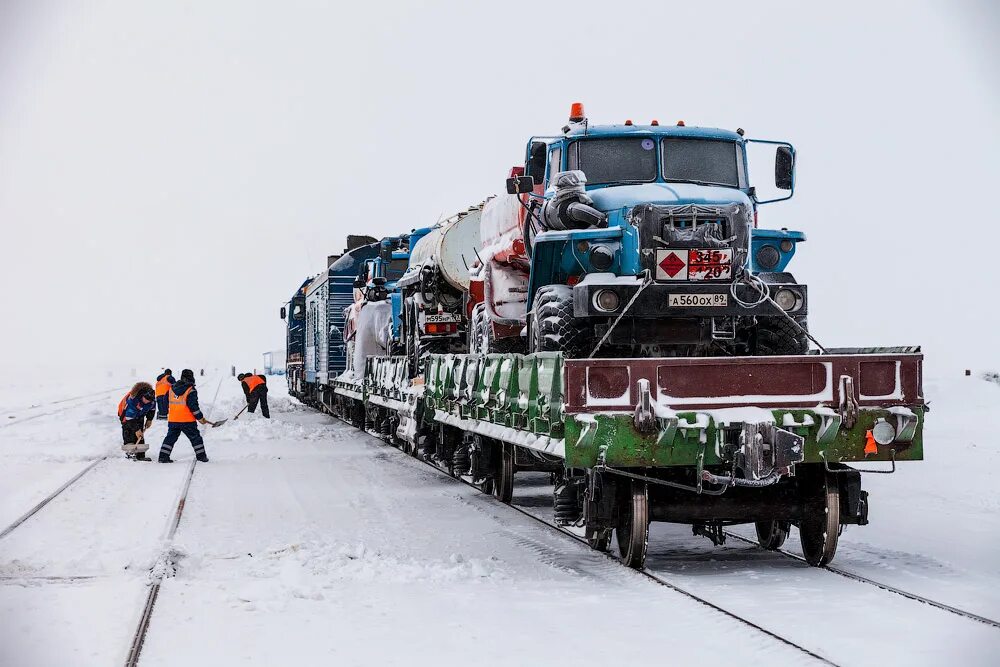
x,y
438,319
698,300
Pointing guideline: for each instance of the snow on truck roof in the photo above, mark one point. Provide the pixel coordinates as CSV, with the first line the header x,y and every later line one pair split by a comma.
x,y
578,130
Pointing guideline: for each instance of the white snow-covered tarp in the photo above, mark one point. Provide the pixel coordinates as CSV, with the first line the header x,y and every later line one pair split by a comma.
x,y
373,332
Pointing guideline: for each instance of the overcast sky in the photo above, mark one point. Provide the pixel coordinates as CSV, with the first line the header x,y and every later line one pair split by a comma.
x,y
171,171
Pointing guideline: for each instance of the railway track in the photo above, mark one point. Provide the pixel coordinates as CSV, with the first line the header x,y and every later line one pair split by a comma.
x,y
163,565
95,396
664,581
644,573
158,573
12,419
878,584
49,498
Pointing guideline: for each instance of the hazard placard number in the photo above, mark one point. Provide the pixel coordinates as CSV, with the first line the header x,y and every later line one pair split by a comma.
x,y
698,300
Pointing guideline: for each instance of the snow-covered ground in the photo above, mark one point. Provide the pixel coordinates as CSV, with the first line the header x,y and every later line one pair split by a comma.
x,y
305,541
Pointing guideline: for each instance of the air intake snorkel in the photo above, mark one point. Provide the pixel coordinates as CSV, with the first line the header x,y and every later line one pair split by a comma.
x,y
570,207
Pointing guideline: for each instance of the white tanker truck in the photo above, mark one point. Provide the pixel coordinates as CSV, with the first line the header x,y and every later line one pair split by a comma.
x,y
435,308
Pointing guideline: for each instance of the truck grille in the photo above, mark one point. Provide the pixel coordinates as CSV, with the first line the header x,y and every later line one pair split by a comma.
x,y
689,228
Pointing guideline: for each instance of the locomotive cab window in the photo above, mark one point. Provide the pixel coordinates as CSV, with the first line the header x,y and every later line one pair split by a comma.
x,y
297,313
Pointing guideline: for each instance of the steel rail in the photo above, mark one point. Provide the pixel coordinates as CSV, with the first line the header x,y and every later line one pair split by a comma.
x,y
878,584
60,400
49,498
644,573
91,398
835,570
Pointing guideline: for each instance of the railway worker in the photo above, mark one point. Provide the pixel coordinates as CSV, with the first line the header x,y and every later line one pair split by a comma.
x,y
163,382
183,416
135,411
255,390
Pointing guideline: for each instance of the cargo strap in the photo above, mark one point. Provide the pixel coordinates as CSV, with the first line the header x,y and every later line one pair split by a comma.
x,y
646,283
759,285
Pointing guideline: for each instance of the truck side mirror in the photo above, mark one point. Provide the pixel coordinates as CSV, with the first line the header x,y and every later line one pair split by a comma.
x,y
520,184
284,313
784,168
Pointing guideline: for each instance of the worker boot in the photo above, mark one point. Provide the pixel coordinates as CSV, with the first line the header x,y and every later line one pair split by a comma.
x,y
164,458
202,457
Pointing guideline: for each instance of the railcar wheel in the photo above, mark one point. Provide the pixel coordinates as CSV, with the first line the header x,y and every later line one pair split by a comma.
x,y
632,529
819,527
504,477
599,539
357,414
772,534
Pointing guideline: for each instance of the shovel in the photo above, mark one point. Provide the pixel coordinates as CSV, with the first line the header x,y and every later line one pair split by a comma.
x,y
237,416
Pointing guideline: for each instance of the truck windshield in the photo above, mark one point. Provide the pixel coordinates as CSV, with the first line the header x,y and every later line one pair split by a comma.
x,y
614,160
709,161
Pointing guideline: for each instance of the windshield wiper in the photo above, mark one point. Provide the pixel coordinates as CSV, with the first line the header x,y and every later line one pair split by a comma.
x,y
696,182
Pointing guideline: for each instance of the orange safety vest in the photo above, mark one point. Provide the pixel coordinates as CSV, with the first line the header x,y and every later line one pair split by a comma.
x,y
121,406
252,382
162,386
177,410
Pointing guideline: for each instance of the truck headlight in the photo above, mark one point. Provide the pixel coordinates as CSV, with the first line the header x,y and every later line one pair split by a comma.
x,y
787,299
606,300
768,257
601,257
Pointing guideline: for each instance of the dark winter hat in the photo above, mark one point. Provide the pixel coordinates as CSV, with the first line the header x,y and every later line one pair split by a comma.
x,y
241,376
168,371
187,375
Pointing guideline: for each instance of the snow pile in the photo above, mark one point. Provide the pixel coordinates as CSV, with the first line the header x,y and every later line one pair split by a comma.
x,y
314,569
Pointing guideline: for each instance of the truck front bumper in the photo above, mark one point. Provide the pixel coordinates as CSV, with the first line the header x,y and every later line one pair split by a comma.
x,y
679,299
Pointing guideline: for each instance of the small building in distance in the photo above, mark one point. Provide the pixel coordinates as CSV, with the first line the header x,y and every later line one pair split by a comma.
x,y
274,362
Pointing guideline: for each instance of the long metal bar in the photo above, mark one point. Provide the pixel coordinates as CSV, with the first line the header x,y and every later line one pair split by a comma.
x,y
878,584
93,397
662,482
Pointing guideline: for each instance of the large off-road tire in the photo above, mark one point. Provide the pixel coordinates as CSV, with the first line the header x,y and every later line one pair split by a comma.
x,y
482,340
777,336
478,343
553,327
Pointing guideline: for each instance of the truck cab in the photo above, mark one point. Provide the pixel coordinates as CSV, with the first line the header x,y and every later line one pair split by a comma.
x,y
642,238
378,280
